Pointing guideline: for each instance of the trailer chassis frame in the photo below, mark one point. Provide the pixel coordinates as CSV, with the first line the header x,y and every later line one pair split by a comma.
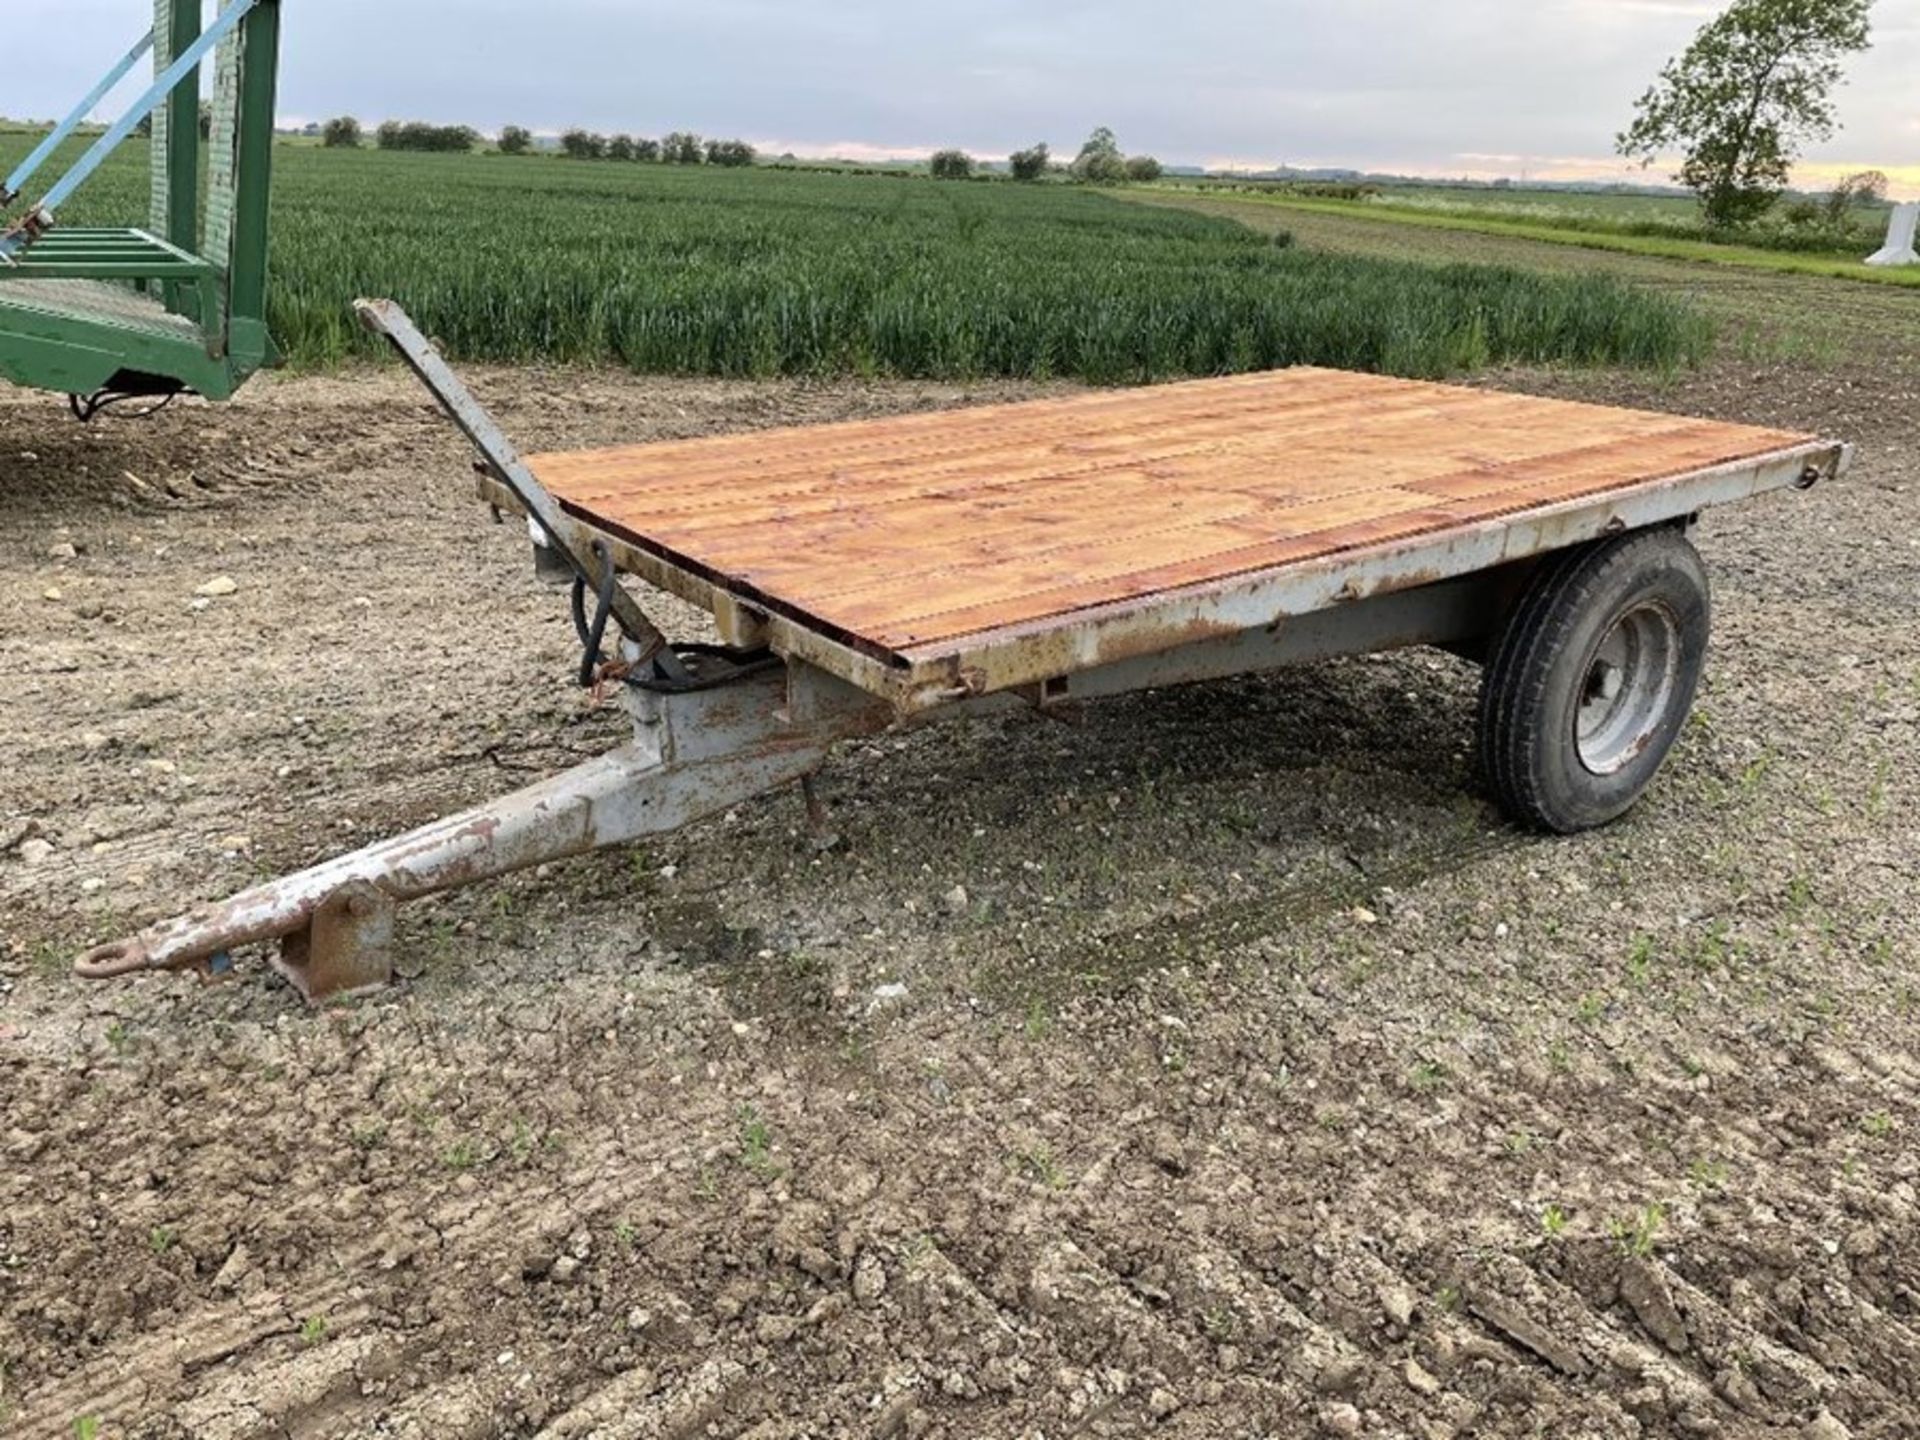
x,y
699,748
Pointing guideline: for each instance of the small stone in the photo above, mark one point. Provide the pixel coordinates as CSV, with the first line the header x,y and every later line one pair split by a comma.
x,y
1739,1390
890,993
1644,1287
35,851
94,740
162,767
1341,1419
1162,1403
216,587
956,900
63,551
775,1329
1167,1152
1419,1380
1500,931
565,1268
639,1318
236,845
92,885
1363,916
1397,1302
869,1279
1339,1375
1825,1427
52,592
239,1265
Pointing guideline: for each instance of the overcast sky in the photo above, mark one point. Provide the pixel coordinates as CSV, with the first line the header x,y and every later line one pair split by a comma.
x,y
1482,87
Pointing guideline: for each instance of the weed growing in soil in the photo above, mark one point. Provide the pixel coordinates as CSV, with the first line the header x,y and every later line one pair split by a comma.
x,y
461,1155
1707,1176
313,1330
1221,1324
1640,961
756,1141
1878,1124
86,1427
1637,1233
369,1135
1039,1023
1037,1163
160,1240
523,1142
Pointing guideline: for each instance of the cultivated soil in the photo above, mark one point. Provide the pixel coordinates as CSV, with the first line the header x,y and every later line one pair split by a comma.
x,y
1221,1065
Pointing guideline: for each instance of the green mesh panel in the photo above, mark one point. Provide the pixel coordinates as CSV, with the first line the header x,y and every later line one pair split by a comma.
x,y
162,57
223,150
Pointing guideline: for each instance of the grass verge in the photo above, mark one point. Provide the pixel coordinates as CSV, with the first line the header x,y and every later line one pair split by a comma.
x,y
1779,262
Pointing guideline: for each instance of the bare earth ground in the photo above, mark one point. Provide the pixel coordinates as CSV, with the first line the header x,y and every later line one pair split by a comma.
x,y
1261,1083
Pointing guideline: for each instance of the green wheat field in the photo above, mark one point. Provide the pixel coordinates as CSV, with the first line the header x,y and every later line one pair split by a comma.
x,y
775,272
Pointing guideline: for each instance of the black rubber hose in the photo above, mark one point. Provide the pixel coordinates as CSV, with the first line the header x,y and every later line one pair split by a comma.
x,y
592,635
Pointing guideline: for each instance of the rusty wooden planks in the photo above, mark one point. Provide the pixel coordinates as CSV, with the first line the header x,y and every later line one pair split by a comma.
x,y
916,531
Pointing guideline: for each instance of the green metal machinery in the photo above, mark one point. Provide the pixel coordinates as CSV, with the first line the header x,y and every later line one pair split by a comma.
x,y
179,305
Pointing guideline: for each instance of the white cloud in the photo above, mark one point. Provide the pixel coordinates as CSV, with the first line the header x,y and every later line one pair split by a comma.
x,y
1373,84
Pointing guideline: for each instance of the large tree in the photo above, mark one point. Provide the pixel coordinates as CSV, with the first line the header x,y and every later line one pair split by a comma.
x,y
1100,159
1030,164
1755,85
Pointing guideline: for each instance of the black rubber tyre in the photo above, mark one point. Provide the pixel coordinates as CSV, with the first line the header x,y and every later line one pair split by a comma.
x,y
1592,678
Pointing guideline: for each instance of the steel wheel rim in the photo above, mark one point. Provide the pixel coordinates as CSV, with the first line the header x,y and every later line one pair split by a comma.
x,y
1627,688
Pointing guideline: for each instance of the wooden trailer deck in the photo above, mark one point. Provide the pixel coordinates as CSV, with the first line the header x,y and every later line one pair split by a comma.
x,y
949,546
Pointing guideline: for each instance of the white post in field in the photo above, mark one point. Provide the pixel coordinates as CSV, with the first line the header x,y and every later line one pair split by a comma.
x,y
1900,236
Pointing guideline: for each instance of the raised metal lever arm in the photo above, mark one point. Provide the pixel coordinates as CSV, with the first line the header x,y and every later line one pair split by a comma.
x,y
384,317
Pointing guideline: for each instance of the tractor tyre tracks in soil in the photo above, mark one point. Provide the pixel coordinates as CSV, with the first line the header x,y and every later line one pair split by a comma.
x,y
1218,1066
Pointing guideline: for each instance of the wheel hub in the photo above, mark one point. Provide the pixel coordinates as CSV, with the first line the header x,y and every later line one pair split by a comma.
x,y
1628,688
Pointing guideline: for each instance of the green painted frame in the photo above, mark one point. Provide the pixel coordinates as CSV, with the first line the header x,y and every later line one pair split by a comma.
x,y
166,308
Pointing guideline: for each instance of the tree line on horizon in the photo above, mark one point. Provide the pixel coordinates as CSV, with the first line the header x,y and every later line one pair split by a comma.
x,y
1100,160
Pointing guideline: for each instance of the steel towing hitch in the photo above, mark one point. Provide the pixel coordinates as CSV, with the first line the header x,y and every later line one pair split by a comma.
x,y
698,749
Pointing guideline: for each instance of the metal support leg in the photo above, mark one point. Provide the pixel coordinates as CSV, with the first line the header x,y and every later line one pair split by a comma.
x,y
346,949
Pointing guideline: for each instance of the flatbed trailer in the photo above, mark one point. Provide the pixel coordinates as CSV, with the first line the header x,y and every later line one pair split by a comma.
x,y
886,572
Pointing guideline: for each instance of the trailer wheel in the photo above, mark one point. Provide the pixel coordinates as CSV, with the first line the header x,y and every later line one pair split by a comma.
x,y
1592,678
